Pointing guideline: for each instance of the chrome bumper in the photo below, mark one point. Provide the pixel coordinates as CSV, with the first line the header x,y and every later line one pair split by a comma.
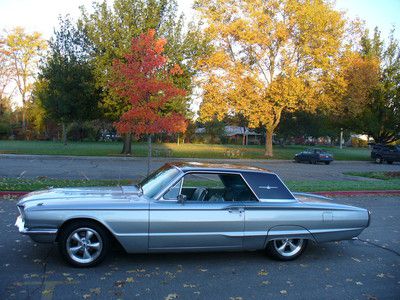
x,y
40,235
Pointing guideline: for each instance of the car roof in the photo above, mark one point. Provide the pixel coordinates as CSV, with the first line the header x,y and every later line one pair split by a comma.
x,y
215,167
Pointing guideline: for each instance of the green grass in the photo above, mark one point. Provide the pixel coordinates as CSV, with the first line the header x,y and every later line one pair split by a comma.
x,y
325,185
376,175
15,184
172,150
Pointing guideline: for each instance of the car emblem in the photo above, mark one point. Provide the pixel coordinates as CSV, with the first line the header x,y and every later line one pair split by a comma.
x,y
268,187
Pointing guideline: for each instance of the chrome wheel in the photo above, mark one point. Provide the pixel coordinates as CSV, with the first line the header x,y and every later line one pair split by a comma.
x,y
84,245
288,247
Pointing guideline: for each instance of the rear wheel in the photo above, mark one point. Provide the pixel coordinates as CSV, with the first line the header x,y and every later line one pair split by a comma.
x,y
389,162
286,249
327,162
378,160
84,244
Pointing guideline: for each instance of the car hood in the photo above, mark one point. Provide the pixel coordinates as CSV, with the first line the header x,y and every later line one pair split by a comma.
x,y
79,196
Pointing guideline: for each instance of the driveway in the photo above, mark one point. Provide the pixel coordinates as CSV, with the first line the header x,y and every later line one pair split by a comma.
x,y
72,167
343,270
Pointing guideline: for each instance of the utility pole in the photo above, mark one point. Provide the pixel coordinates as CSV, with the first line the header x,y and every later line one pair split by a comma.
x,y
341,138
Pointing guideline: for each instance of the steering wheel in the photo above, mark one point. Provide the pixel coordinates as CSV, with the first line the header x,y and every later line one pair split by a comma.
x,y
200,194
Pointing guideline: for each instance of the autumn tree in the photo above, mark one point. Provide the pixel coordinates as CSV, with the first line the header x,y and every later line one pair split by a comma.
x,y
145,80
269,56
66,88
5,73
371,104
110,29
24,51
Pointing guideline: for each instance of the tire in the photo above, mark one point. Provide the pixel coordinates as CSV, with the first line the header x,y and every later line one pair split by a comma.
x,y
288,252
84,244
390,162
378,160
327,162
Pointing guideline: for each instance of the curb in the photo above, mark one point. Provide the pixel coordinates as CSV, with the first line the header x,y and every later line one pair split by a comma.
x,y
12,193
326,194
358,193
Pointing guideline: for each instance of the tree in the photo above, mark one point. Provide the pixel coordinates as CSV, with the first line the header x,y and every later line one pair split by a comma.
x,y
269,56
24,51
5,73
66,87
372,101
144,79
110,30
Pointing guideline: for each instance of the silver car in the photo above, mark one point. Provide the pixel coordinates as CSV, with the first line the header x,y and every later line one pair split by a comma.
x,y
187,207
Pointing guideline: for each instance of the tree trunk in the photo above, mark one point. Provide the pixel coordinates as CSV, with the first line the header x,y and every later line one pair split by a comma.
x,y
23,120
268,144
127,147
64,133
149,154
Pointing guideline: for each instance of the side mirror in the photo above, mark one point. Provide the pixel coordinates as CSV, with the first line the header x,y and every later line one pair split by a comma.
x,y
181,198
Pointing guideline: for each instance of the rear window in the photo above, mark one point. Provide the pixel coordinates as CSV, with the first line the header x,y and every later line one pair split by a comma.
x,y
267,186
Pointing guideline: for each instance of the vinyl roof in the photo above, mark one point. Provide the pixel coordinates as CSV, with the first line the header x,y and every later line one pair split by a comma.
x,y
198,166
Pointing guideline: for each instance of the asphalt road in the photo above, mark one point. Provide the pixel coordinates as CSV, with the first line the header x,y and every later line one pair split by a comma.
x,y
343,270
31,166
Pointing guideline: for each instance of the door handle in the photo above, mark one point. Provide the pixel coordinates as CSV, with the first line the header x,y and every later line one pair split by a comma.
x,y
236,210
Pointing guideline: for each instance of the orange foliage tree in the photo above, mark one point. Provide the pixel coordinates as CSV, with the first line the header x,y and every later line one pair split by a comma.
x,y
144,78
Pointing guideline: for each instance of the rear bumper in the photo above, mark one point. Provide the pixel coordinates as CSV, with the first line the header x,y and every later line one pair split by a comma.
x,y
39,235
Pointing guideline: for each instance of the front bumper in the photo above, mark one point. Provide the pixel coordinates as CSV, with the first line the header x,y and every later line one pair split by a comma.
x,y
39,235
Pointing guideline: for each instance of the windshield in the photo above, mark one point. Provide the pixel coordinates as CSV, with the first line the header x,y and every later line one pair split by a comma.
x,y
158,181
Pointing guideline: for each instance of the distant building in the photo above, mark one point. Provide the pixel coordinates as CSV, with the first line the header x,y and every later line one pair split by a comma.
x,y
238,135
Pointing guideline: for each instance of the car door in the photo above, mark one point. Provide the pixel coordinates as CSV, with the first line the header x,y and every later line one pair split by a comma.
x,y
199,223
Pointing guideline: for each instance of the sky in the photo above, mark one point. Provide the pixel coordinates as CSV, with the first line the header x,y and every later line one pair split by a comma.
x,y
41,15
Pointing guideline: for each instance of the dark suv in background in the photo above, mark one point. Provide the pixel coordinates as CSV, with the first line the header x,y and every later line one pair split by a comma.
x,y
381,153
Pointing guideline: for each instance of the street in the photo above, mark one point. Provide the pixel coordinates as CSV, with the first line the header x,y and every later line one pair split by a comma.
x,y
75,167
342,270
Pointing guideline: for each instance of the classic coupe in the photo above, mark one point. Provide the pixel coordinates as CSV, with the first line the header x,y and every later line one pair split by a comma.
x,y
187,207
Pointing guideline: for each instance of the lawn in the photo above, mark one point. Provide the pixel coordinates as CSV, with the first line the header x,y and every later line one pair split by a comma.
x,y
169,150
28,185
328,185
14,184
376,175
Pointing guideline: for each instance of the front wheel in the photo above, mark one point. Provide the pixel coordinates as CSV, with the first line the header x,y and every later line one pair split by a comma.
x,y
286,249
84,244
327,162
378,160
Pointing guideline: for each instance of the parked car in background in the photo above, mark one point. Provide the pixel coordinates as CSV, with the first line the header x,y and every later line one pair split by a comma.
x,y
187,207
314,156
385,153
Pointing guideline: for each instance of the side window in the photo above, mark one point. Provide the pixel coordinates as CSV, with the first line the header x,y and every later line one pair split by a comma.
x,y
212,187
202,187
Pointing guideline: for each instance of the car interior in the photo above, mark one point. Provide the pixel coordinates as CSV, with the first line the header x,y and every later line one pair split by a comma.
x,y
212,188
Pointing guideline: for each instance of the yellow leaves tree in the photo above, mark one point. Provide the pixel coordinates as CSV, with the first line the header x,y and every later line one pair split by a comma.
x,y
269,56
24,51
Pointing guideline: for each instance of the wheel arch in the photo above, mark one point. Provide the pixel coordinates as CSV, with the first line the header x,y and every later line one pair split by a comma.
x,y
111,235
288,231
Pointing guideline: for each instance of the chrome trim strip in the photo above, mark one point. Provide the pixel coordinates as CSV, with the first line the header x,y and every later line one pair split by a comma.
x,y
38,231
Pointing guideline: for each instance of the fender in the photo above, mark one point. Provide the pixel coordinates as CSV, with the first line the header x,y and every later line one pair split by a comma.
x,y
288,231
